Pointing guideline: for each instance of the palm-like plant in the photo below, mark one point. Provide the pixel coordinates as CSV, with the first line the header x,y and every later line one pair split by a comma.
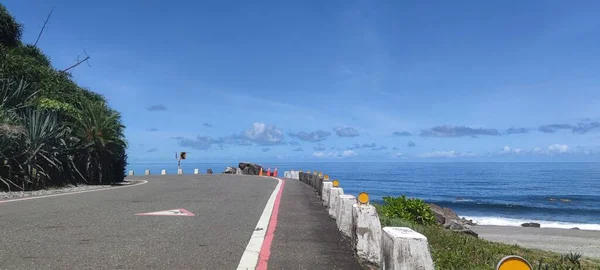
x,y
100,132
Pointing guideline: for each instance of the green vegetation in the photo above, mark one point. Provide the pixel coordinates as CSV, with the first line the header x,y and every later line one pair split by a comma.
x,y
453,250
407,209
52,131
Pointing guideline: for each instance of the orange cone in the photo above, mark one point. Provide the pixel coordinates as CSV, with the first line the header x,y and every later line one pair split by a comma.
x,y
261,172
269,172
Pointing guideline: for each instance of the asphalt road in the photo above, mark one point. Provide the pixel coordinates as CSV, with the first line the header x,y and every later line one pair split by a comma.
x,y
100,229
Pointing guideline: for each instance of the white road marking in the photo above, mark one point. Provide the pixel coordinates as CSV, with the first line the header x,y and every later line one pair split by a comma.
x,y
69,193
249,259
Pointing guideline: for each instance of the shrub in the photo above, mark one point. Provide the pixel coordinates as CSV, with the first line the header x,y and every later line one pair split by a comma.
x,y
10,29
35,53
409,209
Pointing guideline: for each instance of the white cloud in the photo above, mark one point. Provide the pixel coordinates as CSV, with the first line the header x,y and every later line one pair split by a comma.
x,y
349,153
318,154
558,148
263,134
508,150
335,154
446,154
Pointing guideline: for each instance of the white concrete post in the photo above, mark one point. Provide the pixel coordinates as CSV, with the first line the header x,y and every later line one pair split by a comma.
x,y
163,172
366,236
326,192
179,171
404,249
147,172
131,173
196,171
333,200
345,221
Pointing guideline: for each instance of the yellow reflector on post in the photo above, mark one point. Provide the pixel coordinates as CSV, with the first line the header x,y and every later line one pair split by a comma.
x,y
326,177
513,263
320,174
335,183
363,198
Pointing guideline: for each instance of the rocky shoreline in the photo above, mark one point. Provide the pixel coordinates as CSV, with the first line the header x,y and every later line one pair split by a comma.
x,y
244,168
447,218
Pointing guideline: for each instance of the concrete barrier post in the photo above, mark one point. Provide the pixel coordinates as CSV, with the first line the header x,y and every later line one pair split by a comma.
x,y
296,176
333,200
326,191
179,171
196,171
320,186
131,173
366,236
147,172
403,248
163,172
345,219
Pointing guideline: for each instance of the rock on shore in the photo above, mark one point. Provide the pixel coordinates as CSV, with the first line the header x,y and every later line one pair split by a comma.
x,y
447,218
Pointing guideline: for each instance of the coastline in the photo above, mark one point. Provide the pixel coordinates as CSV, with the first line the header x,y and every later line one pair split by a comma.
x,y
586,242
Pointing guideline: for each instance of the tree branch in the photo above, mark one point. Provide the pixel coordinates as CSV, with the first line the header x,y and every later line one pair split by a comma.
x,y
43,27
79,62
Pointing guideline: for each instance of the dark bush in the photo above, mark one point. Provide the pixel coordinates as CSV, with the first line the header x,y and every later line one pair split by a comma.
x,y
10,29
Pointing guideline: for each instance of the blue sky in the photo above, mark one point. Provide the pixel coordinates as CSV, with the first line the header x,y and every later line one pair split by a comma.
x,y
339,80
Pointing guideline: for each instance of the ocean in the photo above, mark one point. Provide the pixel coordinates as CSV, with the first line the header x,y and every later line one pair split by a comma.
x,y
557,195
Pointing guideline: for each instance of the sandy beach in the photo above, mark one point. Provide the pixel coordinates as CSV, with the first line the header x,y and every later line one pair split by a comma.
x,y
563,241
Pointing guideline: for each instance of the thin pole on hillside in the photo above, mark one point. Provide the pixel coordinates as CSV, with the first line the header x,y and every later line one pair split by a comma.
x,y
43,27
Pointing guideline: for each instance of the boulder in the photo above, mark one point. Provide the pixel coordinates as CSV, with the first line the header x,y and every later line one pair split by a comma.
x,y
249,168
574,228
469,232
454,225
229,170
468,221
443,215
209,171
531,225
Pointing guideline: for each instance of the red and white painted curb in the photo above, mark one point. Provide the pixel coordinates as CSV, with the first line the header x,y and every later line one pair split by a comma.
x,y
258,250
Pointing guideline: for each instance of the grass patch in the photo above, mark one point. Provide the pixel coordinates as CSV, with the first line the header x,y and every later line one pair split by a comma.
x,y
452,250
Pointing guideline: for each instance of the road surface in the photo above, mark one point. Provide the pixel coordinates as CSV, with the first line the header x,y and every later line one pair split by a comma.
x,y
100,229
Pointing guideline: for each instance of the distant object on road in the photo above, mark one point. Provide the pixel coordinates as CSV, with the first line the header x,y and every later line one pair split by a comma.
x,y
209,171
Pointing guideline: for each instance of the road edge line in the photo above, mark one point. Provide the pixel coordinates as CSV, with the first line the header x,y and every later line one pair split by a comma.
x,y
265,251
265,226
70,193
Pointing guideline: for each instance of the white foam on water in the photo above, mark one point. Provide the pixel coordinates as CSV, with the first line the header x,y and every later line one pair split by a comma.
x,y
500,221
